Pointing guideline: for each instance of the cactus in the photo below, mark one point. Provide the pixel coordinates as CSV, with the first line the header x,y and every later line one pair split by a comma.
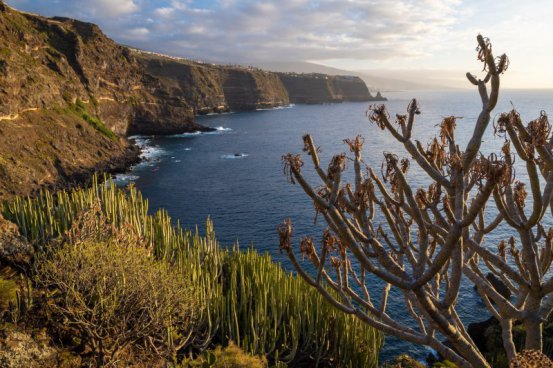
x,y
249,299
424,241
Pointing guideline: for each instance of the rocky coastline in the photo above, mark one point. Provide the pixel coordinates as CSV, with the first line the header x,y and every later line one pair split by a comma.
x,y
70,96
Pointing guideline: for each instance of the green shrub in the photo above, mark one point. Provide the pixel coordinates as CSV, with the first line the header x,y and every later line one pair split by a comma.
x,y
230,357
108,288
8,293
80,109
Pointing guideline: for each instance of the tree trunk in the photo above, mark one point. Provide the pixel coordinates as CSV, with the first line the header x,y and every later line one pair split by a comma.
x,y
533,324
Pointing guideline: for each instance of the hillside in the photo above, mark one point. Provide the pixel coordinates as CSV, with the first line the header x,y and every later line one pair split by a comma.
x,y
69,96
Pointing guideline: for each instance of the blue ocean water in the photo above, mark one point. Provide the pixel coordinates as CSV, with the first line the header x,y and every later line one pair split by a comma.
x,y
234,175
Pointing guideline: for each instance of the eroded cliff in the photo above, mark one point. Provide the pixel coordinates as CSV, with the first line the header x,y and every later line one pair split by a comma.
x,y
313,88
216,88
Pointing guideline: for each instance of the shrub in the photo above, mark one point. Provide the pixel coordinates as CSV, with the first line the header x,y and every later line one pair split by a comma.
x,y
8,293
230,357
108,288
96,123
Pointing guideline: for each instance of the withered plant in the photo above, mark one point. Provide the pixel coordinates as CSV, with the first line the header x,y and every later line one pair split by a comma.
x,y
430,239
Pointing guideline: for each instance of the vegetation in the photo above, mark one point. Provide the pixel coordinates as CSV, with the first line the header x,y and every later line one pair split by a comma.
x,y
432,237
8,293
113,294
243,296
230,357
80,109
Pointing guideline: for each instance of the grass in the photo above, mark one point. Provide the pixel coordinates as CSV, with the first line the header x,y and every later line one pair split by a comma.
x,y
248,298
96,123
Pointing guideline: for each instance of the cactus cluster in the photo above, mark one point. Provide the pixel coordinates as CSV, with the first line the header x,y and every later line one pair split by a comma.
x,y
248,298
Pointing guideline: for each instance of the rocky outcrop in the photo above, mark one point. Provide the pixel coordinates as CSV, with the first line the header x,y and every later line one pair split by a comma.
x,y
321,88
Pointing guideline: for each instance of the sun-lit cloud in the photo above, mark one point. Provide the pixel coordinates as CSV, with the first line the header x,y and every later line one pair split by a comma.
x,y
348,34
95,9
249,30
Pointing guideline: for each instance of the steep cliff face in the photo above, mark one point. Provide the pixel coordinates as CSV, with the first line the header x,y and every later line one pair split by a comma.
x,y
216,88
67,93
321,88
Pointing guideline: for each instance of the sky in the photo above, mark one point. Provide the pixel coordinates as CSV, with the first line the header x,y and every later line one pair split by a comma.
x,y
412,38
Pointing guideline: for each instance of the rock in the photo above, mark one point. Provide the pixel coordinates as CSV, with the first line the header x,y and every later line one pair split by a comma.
x,y
314,88
379,97
19,349
498,285
405,361
477,332
14,248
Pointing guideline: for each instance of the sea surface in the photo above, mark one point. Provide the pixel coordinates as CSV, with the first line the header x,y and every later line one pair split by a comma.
x,y
235,176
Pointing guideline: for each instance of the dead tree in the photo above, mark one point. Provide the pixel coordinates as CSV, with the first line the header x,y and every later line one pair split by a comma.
x,y
433,237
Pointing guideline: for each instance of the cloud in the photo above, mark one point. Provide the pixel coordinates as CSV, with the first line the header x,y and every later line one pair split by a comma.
x,y
251,30
93,10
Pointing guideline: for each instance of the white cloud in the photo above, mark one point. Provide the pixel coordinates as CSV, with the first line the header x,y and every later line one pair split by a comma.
x,y
164,12
137,34
354,34
112,8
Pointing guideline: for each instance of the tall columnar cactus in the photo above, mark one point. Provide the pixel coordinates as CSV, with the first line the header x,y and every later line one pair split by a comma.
x,y
433,237
246,297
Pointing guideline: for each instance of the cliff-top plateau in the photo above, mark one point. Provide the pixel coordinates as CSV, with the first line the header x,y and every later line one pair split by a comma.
x,y
69,97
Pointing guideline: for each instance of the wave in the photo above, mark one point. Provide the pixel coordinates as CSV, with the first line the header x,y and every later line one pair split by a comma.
x,y
218,130
234,156
124,178
289,106
188,149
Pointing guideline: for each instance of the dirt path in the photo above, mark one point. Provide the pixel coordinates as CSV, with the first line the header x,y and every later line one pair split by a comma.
x,y
16,116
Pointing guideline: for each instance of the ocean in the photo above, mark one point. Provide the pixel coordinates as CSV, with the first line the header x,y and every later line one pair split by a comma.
x,y
234,175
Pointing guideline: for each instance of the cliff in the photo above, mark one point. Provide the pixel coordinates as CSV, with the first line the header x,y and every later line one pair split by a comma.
x,y
315,88
219,88
216,88
67,95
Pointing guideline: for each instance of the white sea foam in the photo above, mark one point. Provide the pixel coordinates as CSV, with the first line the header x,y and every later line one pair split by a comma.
x,y
234,156
188,149
124,178
277,107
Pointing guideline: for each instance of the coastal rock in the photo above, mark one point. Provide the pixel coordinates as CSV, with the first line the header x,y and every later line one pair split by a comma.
x,y
69,96
498,285
478,331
